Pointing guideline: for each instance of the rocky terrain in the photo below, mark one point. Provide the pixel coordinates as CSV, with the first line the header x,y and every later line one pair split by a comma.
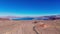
x,y
30,27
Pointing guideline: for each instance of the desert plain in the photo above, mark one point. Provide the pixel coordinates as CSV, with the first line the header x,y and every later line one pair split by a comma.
x,y
30,27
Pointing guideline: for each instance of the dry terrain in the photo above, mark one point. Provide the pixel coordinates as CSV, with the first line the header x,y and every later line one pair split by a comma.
x,y
30,27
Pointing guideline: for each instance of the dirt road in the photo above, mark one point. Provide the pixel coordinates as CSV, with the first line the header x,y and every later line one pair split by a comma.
x,y
29,27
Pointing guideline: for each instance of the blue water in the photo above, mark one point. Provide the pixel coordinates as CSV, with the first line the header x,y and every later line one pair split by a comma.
x,y
23,19
27,18
32,18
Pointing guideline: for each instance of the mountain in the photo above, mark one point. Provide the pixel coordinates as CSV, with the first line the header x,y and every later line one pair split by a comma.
x,y
52,17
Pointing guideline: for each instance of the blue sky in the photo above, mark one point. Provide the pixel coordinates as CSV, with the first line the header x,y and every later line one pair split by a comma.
x,y
29,7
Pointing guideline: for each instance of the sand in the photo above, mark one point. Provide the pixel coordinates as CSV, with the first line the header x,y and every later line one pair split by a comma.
x,y
30,27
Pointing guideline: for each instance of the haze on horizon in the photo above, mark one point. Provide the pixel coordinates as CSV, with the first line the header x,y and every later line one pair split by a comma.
x,y
29,7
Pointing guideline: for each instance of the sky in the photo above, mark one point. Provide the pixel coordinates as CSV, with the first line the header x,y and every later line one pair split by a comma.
x,y
29,7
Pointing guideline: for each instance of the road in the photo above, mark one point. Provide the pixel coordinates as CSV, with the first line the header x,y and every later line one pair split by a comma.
x,y
29,27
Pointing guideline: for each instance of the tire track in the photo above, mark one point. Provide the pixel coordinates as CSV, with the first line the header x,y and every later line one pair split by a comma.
x,y
35,30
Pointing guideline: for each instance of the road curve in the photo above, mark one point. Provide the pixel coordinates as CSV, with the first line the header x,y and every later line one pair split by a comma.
x,y
35,30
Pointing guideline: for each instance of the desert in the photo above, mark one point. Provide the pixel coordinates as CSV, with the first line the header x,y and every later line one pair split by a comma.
x,y
29,16
30,27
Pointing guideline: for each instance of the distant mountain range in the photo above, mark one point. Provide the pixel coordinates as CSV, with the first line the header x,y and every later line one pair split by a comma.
x,y
53,17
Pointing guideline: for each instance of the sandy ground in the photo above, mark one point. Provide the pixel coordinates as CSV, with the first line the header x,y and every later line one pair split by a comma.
x,y
30,27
